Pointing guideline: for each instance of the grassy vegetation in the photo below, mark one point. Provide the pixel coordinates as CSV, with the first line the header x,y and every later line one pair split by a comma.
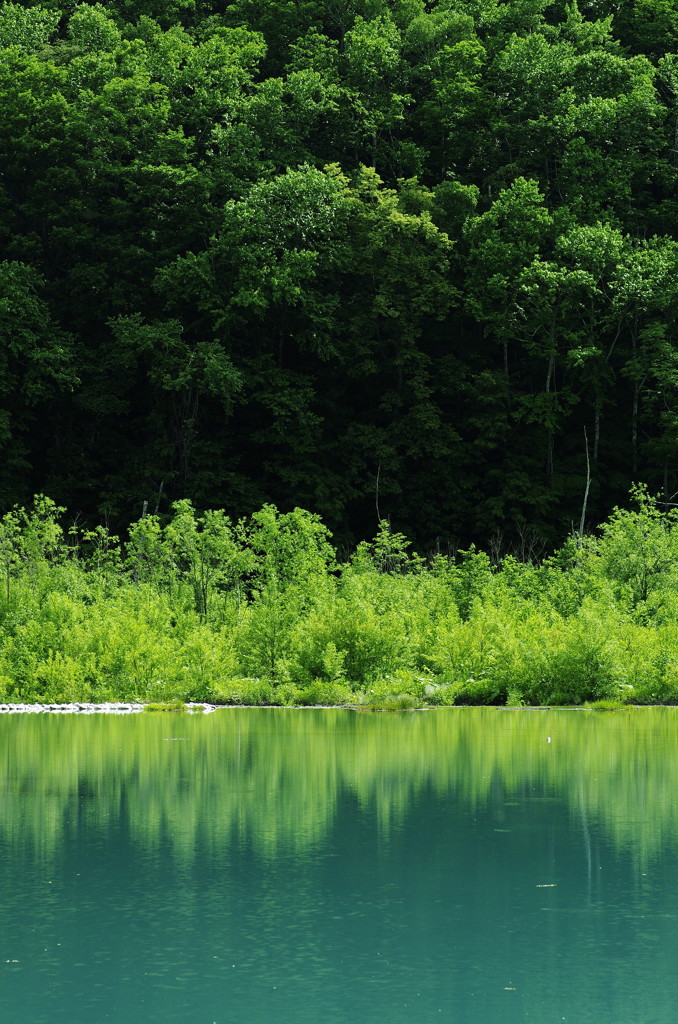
x,y
262,613
170,705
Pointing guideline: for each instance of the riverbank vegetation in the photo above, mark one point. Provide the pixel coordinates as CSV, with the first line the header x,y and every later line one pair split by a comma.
x,y
266,611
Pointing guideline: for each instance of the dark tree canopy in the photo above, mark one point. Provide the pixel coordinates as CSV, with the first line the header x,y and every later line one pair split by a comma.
x,y
376,258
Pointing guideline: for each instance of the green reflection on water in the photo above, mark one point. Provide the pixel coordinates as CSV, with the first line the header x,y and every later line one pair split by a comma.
x,y
272,779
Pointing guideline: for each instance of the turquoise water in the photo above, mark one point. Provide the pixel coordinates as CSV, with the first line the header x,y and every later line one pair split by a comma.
x,y
256,866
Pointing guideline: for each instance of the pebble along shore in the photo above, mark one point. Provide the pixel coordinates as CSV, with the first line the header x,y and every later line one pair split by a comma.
x,y
87,709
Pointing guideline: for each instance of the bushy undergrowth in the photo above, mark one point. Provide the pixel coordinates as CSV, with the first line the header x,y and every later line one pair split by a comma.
x,y
261,612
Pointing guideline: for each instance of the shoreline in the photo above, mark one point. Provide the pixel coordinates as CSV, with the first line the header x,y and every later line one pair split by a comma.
x,y
132,708
83,708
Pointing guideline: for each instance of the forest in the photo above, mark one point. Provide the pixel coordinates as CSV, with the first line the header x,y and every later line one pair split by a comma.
x,y
384,260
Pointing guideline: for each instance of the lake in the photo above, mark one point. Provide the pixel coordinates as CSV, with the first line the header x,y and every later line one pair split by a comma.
x,y
273,866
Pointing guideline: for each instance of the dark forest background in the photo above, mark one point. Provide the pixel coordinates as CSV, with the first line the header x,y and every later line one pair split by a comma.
x,y
403,260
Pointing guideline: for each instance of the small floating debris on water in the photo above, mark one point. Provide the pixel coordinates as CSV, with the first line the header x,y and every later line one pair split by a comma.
x,y
546,885
75,708
82,708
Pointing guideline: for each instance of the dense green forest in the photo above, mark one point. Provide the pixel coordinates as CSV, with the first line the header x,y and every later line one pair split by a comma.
x,y
381,259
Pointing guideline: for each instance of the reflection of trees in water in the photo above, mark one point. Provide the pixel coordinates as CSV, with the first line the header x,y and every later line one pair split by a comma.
x,y
272,778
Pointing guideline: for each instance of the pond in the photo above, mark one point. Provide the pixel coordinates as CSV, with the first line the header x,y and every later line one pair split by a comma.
x,y
254,866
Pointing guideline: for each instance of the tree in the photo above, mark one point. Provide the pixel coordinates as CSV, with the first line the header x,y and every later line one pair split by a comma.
x,y
36,361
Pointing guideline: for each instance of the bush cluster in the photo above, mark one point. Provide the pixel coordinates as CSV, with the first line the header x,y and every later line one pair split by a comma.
x,y
262,612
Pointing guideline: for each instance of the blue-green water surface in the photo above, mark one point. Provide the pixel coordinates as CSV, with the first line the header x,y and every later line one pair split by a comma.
x,y
279,866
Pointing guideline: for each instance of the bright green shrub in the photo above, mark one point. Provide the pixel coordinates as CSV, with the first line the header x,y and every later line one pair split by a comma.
x,y
638,551
387,701
200,609
349,636
205,554
323,693
244,691
387,553
463,652
473,575
293,549
60,677
264,636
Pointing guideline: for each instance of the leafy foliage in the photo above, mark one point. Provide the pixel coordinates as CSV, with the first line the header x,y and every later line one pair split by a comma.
x,y
263,612
380,259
